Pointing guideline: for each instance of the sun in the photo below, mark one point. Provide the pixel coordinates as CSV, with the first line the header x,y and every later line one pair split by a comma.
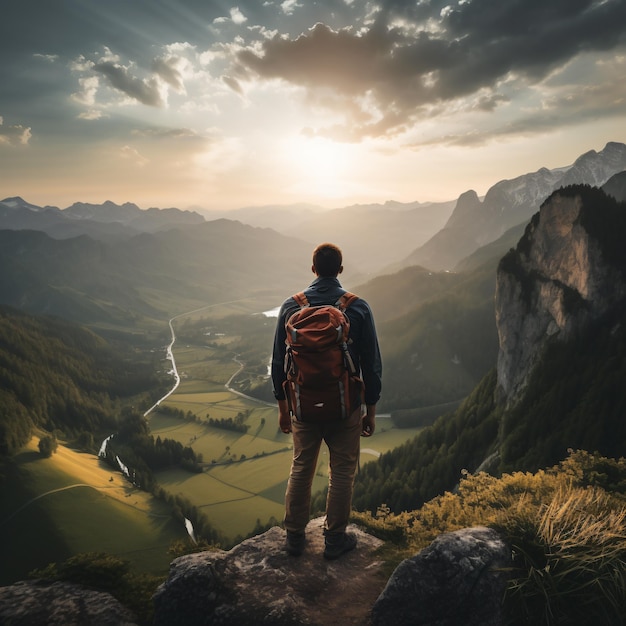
x,y
318,167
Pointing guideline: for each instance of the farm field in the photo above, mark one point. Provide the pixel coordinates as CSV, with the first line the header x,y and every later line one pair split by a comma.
x,y
245,473
53,508
235,493
75,504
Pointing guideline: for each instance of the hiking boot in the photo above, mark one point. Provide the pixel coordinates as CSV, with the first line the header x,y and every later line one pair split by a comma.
x,y
339,544
295,543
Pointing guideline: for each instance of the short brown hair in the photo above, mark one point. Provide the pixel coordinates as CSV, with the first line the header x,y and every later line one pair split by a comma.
x,y
327,259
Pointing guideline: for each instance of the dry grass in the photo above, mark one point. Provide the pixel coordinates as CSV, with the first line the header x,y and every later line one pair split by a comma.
x,y
571,560
567,535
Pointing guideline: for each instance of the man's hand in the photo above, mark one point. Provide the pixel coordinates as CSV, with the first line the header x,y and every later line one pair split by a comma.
x,y
284,417
369,421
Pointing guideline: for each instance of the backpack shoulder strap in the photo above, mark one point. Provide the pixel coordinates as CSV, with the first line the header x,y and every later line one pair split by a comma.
x,y
301,299
346,300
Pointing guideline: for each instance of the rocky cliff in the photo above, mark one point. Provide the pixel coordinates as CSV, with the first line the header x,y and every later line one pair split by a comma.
x,y
567,270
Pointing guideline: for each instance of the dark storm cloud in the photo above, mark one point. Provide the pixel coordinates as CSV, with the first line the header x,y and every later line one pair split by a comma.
x,y
529,37
416,55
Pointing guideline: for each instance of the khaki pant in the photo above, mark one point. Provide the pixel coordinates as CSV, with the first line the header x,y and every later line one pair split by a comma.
x,y
343,440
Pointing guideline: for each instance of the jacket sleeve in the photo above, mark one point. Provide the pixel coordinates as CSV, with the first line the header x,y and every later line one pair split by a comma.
x,y
370,359
278,353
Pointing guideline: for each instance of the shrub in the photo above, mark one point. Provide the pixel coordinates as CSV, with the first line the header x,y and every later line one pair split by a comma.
x,y
48,445
566,527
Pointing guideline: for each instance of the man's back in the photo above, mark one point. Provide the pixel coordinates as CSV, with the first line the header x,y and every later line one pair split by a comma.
x,y
342,436
363,344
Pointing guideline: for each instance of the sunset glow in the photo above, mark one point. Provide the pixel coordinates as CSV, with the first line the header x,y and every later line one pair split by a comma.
x,y
188,103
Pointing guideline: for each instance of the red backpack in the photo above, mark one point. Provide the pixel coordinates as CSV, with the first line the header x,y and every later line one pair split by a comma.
x,y
322,382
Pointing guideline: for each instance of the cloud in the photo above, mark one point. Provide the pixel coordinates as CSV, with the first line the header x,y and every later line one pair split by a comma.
x,y
88,89
233,83
146,91
289,6
179,134
133,155
14,135
81,64
169,69
558,103
236,17
92,115
178,68
49,58
415,59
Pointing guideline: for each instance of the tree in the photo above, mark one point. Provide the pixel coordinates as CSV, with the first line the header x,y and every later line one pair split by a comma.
x,y
86,441
48,445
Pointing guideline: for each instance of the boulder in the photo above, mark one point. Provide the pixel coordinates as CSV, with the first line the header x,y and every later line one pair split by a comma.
x,y
37,603
257,582
459,579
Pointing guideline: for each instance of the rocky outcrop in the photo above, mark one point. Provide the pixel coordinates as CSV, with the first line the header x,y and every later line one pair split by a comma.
x,y
556,281
257,582
459,579
35,603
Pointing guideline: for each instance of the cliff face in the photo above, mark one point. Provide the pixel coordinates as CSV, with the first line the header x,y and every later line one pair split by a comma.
x,y
560,277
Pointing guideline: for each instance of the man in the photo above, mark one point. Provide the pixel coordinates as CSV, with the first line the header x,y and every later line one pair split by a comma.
x,y
342,436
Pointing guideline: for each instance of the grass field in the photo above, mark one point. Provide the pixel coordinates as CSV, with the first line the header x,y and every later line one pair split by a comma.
x,y
69,503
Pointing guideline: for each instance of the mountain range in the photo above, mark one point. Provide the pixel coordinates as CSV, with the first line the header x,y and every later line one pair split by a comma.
x,y
399,227
107,221
433,235
146,276
437,328
509,203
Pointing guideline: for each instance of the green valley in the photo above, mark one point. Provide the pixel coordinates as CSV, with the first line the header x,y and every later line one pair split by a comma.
x,y
244,469
72,503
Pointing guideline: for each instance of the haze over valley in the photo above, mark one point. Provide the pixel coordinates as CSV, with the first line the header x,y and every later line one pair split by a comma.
x,y
124,272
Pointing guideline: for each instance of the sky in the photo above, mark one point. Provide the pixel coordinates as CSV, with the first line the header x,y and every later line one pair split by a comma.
x,y
220,105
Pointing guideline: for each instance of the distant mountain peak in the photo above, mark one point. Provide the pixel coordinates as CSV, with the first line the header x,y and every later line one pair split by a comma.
x,y
509,203
106,212
18,203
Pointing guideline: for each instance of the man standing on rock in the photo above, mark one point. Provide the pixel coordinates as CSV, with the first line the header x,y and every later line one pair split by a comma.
x,y
340,433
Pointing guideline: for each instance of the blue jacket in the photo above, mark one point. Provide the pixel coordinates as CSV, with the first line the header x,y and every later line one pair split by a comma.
x,y
364,342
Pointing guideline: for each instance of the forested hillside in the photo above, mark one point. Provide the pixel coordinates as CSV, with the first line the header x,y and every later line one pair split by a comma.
x,y
55,375
150,277
577,401
437,333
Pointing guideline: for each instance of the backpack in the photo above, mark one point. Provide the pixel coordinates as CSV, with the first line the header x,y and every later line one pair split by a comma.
x,y
322,382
